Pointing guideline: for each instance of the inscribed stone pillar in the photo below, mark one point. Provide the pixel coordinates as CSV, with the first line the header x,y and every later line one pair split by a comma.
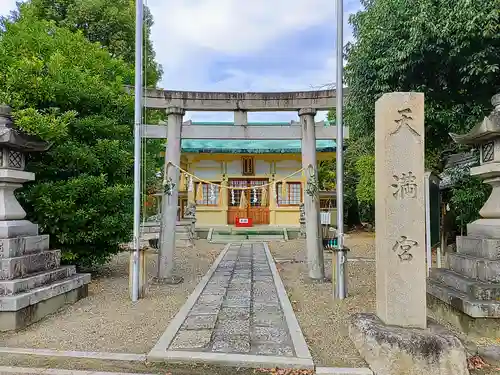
x,y
170,201
400,209
315,259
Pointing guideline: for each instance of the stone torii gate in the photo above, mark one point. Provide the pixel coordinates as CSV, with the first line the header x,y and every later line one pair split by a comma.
x,y
176,103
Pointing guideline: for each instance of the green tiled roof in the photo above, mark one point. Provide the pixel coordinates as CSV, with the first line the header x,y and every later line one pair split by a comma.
x,y
236,146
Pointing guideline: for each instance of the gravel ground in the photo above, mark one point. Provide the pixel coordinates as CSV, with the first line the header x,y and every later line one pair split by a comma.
x,y
323,320
107,320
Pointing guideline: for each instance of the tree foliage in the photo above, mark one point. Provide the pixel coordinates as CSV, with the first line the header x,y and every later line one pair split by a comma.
x,y
447,49
109,23
69,91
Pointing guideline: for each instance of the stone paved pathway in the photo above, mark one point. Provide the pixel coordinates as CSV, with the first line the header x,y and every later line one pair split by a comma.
x,y
238,312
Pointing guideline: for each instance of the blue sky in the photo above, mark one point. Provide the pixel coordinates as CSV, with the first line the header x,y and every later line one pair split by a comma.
x,y
241,45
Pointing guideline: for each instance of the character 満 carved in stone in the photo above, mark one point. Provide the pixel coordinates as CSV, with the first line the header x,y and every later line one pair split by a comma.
x,y
403,246
405,186
405,120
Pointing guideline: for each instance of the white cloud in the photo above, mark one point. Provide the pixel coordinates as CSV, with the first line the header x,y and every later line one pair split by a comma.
x,y
6,6
187,34
232,26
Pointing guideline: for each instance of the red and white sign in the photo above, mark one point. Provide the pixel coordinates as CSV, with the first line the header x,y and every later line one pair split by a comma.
x,y
243,222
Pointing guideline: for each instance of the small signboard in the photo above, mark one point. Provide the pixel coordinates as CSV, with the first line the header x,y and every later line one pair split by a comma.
x,y
243,222
326,218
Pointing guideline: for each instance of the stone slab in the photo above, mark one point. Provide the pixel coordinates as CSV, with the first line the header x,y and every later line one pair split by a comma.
x,y
199,339
400,209
14,320
16,286
14,247
477,326
488,248
17,228
476,268
197,322
42,293
489,228
463,302
16,267
392,350
475,289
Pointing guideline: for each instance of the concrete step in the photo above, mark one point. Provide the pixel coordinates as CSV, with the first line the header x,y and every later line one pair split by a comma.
x,y
42,293
22,266
11,287
476,268
462,301
488,248
15,247
475,289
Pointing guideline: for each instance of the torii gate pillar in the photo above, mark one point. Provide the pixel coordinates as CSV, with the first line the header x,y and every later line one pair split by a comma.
x,y
315,260
171,197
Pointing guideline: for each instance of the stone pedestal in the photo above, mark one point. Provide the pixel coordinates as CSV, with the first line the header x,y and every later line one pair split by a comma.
x,y
32,282
391,350
467,294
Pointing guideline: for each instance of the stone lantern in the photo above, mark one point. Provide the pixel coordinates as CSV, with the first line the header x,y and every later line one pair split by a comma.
x,y
32,282
468,293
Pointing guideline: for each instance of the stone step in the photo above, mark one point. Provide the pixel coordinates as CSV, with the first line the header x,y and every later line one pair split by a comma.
x,y
14,247
268,237
476,268
183,236
488,248
42,293
463,302
475,289
11,287
18,267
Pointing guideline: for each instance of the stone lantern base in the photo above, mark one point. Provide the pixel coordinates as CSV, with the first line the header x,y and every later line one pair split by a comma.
x,y
33,284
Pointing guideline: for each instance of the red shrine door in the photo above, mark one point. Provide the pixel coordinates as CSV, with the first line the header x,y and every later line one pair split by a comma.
x,y
259,214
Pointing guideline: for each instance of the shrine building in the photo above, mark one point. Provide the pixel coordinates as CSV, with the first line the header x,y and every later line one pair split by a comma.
x,y
235,163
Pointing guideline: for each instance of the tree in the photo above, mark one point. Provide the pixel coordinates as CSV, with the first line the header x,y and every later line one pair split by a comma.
x,y
447,49
110,23
83,193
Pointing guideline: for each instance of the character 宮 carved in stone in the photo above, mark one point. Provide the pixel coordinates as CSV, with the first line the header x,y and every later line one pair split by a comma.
x,y
405,120
405,186
403,246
